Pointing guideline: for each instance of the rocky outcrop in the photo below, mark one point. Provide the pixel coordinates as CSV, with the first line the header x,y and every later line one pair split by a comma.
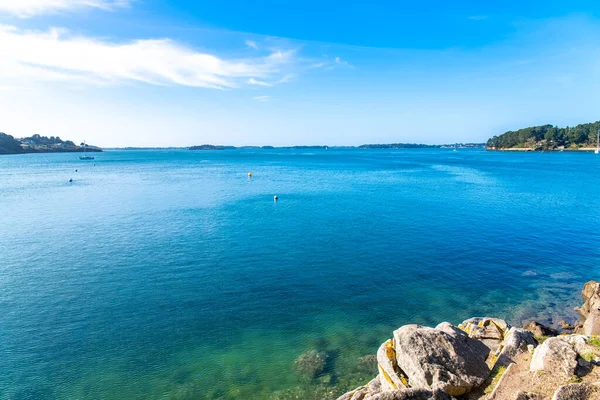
x,y
424,363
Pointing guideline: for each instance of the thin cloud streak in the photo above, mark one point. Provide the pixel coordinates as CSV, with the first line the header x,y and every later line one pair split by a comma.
x,y
55,55
253,81
31,8
252,44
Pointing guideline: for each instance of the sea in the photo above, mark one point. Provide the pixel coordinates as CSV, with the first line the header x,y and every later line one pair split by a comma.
x,y
172,274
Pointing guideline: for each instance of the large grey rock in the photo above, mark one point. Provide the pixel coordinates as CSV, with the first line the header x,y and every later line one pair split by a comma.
x,y
515,343
390,375
577,391
443,357
411,394
555,356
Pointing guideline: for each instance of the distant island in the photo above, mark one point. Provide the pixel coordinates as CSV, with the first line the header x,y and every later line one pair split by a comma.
x,y
40,144
547,137
212,147
364,146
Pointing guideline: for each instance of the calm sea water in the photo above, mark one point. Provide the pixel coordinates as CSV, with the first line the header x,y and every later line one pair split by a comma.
x,y
171,274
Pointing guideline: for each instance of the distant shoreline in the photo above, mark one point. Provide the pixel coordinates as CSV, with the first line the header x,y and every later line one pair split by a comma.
x,y
526,149
211,147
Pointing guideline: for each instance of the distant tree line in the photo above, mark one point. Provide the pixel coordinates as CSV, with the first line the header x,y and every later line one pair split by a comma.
x,y
547,137
39,144
420,146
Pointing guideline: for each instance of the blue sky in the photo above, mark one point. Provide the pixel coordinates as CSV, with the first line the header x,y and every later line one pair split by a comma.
x,y
178,73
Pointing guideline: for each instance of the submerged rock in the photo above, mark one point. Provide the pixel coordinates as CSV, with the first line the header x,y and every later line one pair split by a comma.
x,y
367,364
555,356
443,357
311,364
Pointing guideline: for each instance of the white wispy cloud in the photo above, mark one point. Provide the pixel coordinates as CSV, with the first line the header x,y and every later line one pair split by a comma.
x,y
477,17
262,99
30,8
338,62
252,44
56,55
253,81
286,78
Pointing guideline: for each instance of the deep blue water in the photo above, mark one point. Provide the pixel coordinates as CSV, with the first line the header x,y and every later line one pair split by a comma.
x,y
171,274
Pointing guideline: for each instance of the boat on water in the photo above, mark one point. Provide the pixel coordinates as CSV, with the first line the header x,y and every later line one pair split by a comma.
x,y
84,156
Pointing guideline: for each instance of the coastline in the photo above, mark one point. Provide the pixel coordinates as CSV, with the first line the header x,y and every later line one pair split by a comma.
x,y
526,149
485,358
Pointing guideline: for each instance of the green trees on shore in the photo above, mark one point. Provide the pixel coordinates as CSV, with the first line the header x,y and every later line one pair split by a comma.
x,y
9,145
39,144
547,137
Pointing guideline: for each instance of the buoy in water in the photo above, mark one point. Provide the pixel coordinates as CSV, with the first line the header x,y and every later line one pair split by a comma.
x,y
275,198
249,174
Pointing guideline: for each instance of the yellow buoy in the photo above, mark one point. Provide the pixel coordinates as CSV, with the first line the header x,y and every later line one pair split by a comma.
x,y
249,174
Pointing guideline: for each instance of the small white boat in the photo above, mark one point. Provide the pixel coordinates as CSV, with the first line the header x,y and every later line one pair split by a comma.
x,y
84,157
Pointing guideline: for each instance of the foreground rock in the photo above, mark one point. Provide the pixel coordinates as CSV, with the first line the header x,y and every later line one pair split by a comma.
x,y
441,358
555,356
578,391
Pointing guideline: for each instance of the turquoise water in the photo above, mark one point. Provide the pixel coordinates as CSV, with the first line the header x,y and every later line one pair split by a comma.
x,y
171,274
